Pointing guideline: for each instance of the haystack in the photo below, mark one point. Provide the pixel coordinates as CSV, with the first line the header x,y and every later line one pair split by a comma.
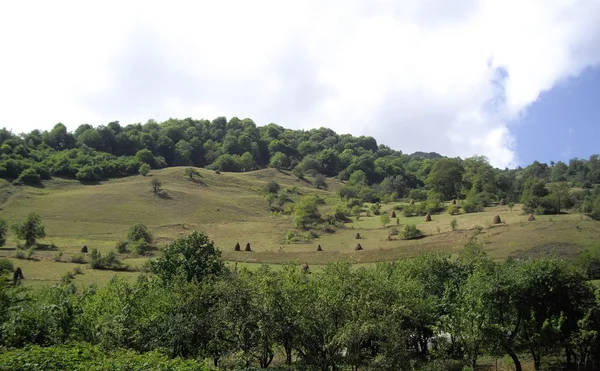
x,y
531,218
84,249
453,202
248,247
358,247
305,268
357,237
393,214
237,247
502,202
412,203
319,248
497,219
428,217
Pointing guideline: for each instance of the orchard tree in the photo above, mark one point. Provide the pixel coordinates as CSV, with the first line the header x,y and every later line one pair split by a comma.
x,y
30,229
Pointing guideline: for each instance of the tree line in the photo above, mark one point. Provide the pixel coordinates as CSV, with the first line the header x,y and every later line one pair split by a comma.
x,y
375,171
432,312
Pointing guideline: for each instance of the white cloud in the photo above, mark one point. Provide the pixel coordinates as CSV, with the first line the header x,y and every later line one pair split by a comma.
x,y
418,75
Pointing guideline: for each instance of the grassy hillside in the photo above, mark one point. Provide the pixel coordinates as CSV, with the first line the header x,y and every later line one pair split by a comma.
x,y
230,208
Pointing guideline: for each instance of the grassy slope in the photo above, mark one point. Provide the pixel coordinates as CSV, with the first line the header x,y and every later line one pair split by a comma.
x,y
230,208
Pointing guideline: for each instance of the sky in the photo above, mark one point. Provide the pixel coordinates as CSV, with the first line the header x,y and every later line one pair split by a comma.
x,y
512,80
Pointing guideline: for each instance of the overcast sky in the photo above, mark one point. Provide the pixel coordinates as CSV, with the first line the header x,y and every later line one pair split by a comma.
x,y
445,76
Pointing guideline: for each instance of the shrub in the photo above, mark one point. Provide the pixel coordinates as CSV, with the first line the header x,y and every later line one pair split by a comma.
x,y
453,224
109,261
30,229
19,254
409,211
139,232
411,232
376,208
5,266
393,231
78,258
58,256
144,170
453,210
272,187
121,247
140,247
29,176
417,194
471,206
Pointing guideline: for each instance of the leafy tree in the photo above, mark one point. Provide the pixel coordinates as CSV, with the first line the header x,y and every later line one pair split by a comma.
x,y
30,229
139,232
144,169
410,232
156,184
511,204
29,176
306,211
191,172
320,181
385,219
194,257
560,192
453,224
279,161
446,177
3,231
272,187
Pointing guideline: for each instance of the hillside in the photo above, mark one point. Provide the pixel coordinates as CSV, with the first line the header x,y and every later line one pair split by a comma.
x,y
231,207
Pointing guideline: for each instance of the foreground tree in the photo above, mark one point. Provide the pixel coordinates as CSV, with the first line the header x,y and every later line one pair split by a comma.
x,y
30,229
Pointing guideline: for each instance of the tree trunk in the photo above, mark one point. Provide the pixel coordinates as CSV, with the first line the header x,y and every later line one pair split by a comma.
x,y
288,355
516,361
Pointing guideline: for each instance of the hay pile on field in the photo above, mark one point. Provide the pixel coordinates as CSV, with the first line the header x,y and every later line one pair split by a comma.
x,y
357,237
84,249
248,248
319,248
305,268
358,247
412,202
502,202
497,219
393,214
531,218
428,217
237,247
453,202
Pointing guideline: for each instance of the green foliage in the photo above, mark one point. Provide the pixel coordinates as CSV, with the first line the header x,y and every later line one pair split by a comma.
x,y
5,266
453,209
279,161
3,231
376,208
84,356
110,261
191,172
306,211
156,184
511,204
453,224
144,169
321,182
138,232
29,176
272,187
385,219
193,257
410,232
30,229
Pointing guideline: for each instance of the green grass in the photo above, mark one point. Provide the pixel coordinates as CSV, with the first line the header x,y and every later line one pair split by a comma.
x,y
230,208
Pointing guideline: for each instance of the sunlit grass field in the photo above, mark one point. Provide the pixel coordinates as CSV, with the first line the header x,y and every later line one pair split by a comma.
x,y
231,208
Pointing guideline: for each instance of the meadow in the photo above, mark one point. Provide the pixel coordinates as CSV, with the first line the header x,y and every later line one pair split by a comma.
x,y
231,208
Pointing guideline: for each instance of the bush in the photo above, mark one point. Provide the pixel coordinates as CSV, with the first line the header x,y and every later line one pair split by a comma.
x,y
139,232
409,211
140,247
5,266
78,258
272,187
121,247
144,169
453,224
110,261
29,176
453,210
417,194
471,206
411,232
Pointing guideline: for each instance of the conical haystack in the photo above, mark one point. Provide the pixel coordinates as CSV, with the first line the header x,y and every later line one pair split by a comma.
x,y
237,247
358,247
393,214
248,248
412,203
497,219
84,249
531,218
453,202
357,237
428,217
319,248
502,202
305,268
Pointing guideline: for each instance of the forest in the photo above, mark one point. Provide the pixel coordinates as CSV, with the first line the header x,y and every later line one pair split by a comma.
x,y
374,171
